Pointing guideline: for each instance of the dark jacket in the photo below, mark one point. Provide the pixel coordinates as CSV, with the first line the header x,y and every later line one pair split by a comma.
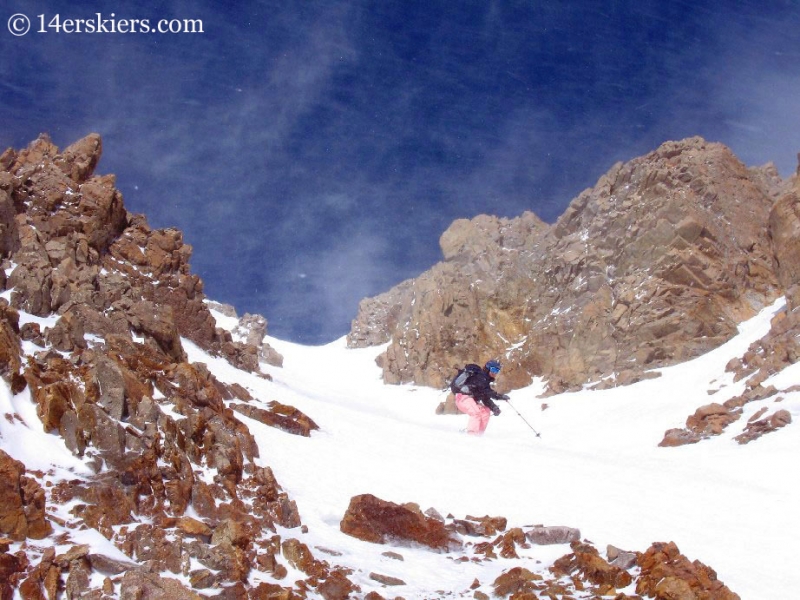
x,y
480,388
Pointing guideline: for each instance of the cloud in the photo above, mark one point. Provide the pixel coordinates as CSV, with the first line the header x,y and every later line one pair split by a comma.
x,y
322,286
763,105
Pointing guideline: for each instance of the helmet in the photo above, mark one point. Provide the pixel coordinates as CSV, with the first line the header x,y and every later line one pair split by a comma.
x,y
493,367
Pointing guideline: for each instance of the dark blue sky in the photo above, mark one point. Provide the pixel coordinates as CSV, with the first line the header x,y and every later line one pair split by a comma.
x,y
312,152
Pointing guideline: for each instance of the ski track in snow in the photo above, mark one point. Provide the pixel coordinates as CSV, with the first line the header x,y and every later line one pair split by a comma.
x,y
596,466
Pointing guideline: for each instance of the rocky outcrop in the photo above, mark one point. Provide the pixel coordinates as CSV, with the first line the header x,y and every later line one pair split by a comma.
x,y
712,419
22,502
281,416
757,427
79,254
661,572
109,374
708,420
654,265
250,329
586,562
667,574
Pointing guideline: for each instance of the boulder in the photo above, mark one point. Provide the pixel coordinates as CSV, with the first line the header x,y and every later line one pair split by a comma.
x,y
374,520
281,416
553,534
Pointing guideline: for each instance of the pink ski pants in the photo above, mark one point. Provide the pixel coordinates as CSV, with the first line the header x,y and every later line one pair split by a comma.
x,y
478,413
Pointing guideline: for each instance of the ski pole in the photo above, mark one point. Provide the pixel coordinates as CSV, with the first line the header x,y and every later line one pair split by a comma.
x,y
538,435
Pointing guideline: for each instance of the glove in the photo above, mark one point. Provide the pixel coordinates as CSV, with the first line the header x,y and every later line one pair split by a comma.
x,y
496,411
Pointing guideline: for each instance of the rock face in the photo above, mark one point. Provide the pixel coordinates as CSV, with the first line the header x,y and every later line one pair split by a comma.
x,y
654,265
81,255
784,234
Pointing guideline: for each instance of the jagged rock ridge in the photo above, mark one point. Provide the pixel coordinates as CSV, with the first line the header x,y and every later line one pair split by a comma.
x,y
656,264
109,374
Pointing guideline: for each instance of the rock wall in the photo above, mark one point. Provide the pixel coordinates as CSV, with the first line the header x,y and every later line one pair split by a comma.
x,y
656,264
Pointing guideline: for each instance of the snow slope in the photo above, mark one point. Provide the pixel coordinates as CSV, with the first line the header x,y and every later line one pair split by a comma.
x,y
596,466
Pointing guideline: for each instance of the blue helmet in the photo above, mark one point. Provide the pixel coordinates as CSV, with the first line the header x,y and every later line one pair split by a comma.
x,y
493,367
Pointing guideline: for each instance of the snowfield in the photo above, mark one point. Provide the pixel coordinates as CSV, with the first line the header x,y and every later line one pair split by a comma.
x,y
597,466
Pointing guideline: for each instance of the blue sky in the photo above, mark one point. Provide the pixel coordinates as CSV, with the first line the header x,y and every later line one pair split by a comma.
x,y
313,152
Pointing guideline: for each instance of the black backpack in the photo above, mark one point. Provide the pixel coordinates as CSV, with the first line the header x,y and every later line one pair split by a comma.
x,y
460,383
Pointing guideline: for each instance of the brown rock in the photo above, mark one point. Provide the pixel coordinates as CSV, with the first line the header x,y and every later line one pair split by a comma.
x,y
337,586
679,437
516,581
10,349
711,419
300,557
280,416
553,534
138,585
109,566
784,233
78,577
22,502
107,505
124,297
373,520
198,385
673,588
667,574
78,161
386,579
654,265
230,562
157,322
191,526
10,565
509,541
586,561
272,591
67,334
756,428
231,532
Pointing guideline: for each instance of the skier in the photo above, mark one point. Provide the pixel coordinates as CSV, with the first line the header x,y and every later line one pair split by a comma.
x,y
474,396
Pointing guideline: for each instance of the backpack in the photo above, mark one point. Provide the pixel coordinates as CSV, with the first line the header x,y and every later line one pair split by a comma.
x,y
460,383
